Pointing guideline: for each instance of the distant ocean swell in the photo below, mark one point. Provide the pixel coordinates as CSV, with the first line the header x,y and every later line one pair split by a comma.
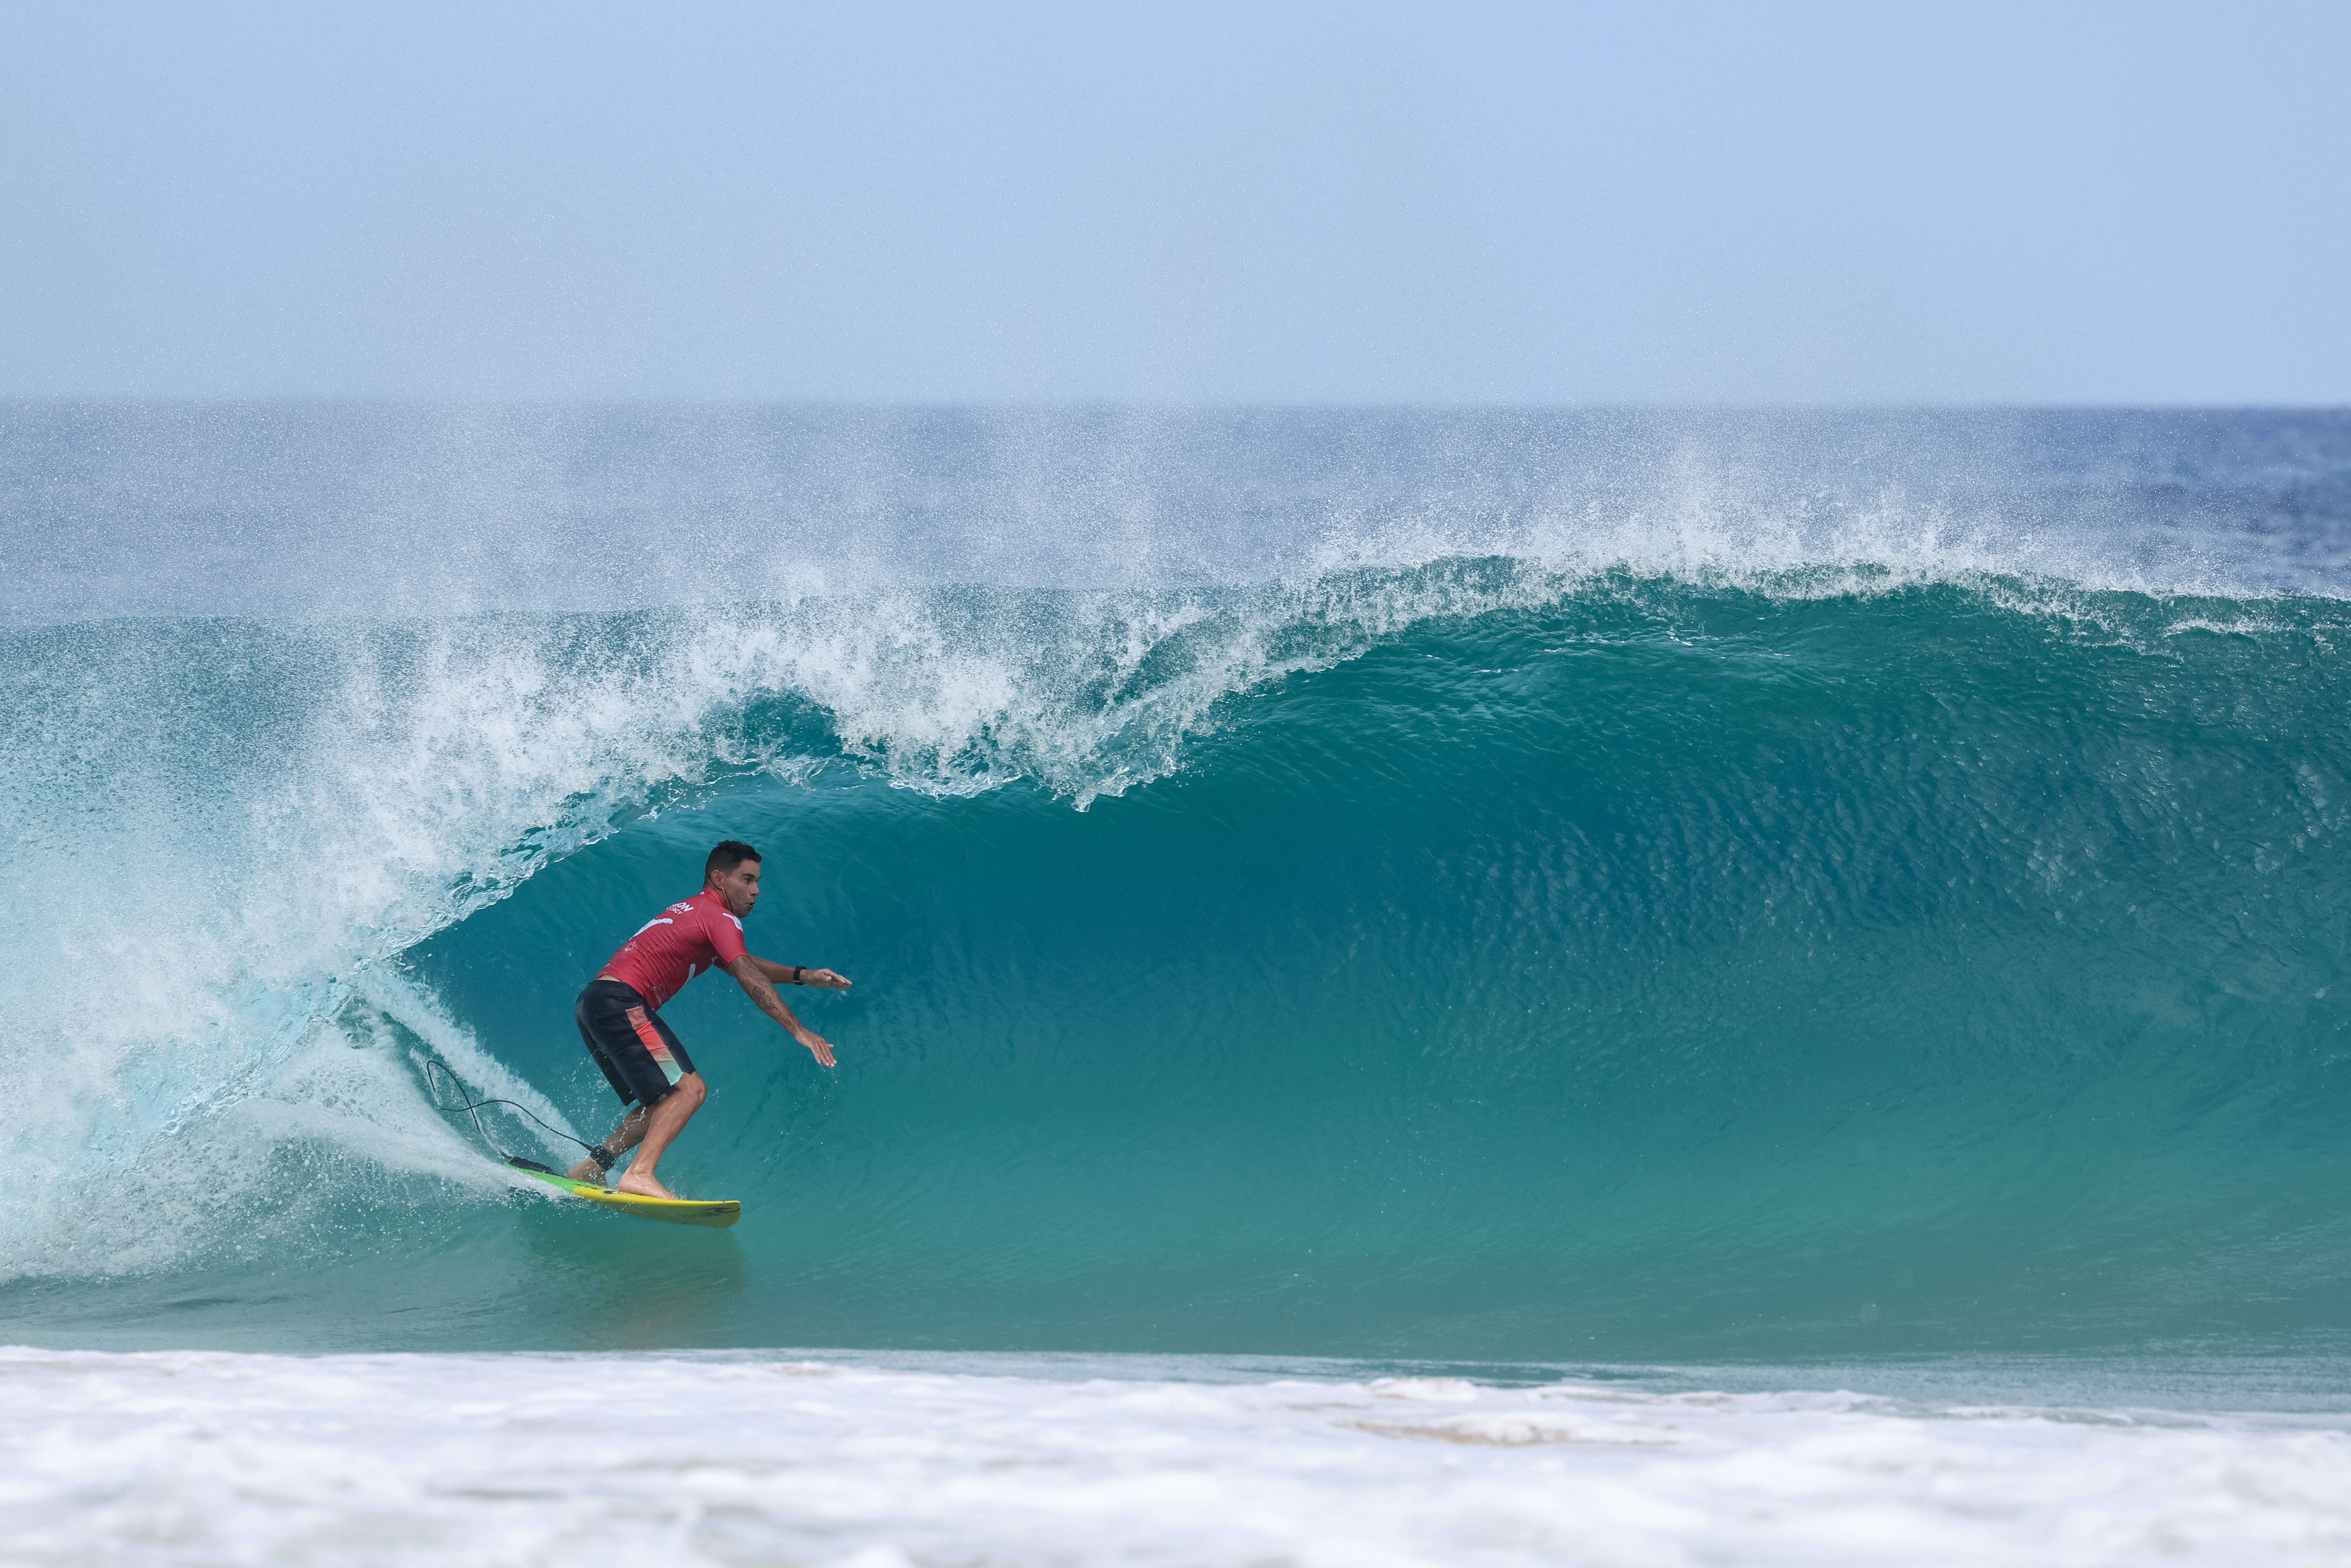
x,y
1478,958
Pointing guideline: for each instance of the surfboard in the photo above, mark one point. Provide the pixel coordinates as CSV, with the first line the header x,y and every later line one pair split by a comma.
x,y
718,1213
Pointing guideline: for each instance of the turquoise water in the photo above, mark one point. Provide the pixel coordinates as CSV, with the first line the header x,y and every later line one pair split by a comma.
x,y
1488,957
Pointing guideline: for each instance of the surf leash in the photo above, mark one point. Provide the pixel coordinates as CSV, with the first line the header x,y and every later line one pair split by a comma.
x,y
433,1070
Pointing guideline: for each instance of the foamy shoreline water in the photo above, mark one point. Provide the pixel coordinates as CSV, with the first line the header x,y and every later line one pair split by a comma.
x,y
177,1456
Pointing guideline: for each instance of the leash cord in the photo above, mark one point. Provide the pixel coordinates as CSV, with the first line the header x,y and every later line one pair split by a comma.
x,y
432,1083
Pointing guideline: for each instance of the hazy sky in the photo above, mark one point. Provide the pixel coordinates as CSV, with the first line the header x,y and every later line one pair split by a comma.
x,y
1263,202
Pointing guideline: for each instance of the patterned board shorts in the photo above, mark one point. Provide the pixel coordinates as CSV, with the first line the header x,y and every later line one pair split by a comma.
x,y
640,1058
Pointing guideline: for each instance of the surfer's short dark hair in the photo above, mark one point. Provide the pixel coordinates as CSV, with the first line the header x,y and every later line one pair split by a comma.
x,y
727,857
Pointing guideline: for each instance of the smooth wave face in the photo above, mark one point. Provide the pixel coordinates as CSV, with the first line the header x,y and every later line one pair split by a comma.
x,y
1518,955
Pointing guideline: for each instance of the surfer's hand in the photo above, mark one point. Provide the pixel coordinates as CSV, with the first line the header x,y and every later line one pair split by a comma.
x,y
818,1047
825,977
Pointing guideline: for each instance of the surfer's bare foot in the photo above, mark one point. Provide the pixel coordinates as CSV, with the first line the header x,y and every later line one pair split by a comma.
x,y
643,1187
587,1170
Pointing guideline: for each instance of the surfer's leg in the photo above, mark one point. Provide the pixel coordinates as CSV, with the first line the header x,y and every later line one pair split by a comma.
x,y
624,1137
670,1113
646,1064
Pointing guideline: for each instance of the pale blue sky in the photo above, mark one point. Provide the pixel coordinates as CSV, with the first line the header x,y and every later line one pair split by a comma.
x,y
1515,204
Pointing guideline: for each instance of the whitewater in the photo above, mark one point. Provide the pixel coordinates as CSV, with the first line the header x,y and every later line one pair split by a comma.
x,y
1479,987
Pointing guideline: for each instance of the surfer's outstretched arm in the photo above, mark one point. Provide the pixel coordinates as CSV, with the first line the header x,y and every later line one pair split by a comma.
x,y
800,975
762,992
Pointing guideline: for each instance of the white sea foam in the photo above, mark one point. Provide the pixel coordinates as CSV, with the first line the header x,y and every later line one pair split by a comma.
x,y
200,1458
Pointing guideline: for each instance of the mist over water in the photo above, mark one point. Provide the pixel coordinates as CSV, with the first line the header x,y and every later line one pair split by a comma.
x,y
1486,886
309,509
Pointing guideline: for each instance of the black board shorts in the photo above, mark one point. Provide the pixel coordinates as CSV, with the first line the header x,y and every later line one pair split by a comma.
x,y
640,1058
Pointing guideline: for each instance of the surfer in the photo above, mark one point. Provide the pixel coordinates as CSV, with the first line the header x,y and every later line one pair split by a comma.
x,y
618,1012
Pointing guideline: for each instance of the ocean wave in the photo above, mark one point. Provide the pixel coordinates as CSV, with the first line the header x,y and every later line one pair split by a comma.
x,y
1606,939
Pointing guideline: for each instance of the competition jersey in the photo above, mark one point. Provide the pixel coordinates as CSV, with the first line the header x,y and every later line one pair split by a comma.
x,y
675,946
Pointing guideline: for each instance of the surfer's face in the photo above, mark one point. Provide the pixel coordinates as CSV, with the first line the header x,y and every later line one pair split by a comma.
x,y
740,888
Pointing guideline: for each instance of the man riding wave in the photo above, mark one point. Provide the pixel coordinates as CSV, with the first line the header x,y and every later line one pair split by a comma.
x,y
643,1061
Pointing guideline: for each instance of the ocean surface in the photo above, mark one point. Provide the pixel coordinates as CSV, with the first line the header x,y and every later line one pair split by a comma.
x,y
1506,985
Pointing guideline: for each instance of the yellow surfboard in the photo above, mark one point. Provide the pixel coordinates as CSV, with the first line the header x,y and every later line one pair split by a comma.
x,y
718,1213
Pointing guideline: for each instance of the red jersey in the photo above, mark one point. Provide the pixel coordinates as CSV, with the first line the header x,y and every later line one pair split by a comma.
x,y
675,946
